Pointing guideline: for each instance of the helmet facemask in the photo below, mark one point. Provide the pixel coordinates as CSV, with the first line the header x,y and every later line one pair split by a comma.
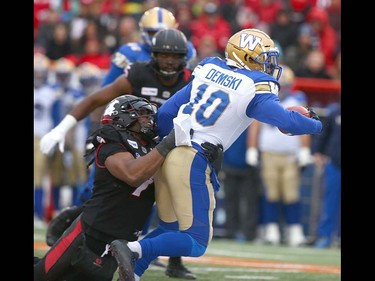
x,y
89,84
148,33
63,71
89,76
169,52
168,65
270,62
124,112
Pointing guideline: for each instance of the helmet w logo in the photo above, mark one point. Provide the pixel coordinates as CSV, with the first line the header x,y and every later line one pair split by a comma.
x,y
249,40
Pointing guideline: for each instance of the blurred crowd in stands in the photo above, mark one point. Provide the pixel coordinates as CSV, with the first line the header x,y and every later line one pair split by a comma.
x,y
78,37
308,32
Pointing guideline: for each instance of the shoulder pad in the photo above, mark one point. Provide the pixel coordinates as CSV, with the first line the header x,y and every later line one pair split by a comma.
x,y
107,133
120,60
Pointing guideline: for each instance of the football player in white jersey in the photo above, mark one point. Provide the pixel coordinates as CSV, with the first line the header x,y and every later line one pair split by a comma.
x,y
221,101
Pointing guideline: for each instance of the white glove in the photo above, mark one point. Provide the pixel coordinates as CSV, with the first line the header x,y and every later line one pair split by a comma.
x,y
304,157
252,156
57,135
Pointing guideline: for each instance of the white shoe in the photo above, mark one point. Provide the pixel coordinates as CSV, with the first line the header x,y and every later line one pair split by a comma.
x,y
295,235
272,234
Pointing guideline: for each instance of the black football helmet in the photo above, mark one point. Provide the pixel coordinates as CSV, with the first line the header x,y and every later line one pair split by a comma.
x,y
164,43
122,112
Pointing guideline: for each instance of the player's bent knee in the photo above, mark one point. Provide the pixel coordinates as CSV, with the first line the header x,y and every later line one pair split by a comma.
x,y
197,249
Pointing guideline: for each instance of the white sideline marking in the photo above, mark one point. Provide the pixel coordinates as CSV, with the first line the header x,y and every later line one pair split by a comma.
x,y
250,277
243,270
208,269
269,256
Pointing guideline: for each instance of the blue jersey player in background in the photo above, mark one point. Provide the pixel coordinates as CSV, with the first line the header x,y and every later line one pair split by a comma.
x,y
152,21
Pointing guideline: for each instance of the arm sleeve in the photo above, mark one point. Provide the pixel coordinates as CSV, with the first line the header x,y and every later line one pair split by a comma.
x,y
112,74
266,108
118,63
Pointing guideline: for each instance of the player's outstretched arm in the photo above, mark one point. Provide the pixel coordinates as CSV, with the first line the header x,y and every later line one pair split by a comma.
x,y
101,97
57,135
267,109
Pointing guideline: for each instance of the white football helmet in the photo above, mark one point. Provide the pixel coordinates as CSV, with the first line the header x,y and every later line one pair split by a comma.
x,y
63,68
153,20
253,49
90,76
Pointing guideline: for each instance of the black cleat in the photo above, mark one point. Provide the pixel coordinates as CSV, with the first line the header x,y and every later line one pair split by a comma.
x,y
176,269
156,262
125,259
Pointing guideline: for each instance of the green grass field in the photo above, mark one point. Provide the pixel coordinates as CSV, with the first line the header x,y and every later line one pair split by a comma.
x,y
226,260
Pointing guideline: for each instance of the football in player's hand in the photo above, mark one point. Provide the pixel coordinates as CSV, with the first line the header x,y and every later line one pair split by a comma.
x,y
301,109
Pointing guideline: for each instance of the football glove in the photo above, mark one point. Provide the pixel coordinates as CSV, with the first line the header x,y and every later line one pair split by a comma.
x,y
313,113
214,154
57,135
50,140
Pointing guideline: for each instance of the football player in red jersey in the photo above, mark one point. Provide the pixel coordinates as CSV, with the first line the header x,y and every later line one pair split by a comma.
x,y
156,80
122,198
